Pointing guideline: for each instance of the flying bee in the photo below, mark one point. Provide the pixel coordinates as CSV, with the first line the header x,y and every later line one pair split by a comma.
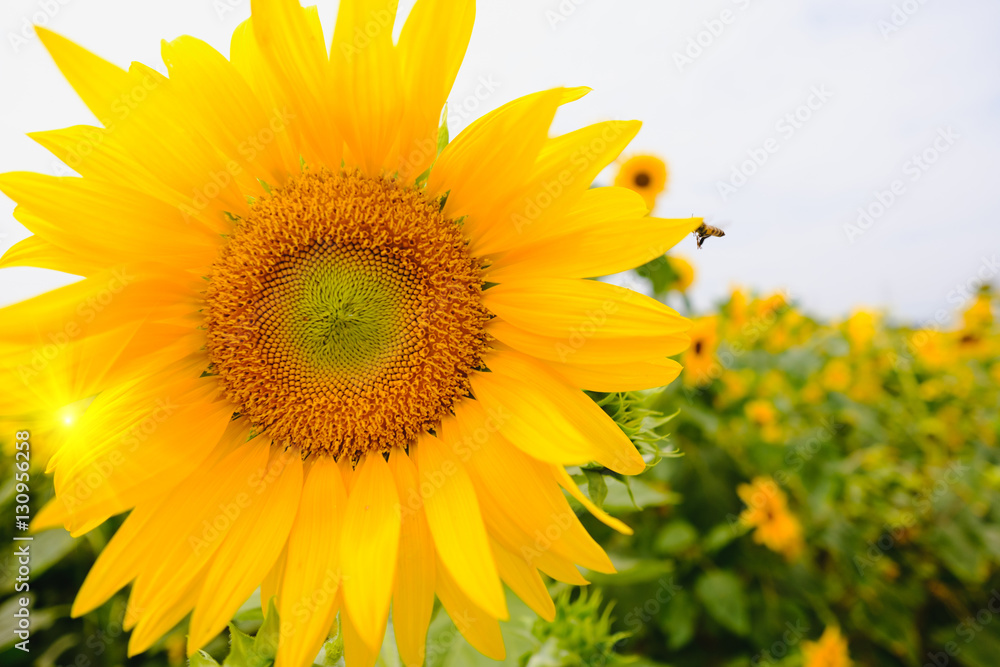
x,y
705,231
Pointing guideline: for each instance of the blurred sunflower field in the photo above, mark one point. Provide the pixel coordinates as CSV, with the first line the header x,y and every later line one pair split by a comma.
x,y
826,494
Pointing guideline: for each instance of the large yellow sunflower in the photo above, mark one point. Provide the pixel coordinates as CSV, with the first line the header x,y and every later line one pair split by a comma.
x,y
329,361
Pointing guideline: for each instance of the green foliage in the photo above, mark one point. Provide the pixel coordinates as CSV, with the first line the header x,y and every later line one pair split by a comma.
x,y
581,634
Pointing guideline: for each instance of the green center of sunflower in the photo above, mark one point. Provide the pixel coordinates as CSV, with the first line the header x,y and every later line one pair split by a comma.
x,y
344,309
345,314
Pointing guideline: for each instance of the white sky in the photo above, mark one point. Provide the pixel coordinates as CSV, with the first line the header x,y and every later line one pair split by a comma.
x,y
890,96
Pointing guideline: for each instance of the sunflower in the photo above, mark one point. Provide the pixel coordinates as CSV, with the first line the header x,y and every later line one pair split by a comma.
x,y
767,511
829,651
328,358
684,272
645,174
699,360
861,327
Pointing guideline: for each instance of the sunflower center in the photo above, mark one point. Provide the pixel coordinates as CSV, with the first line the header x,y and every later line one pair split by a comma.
x,y
345,314
642,179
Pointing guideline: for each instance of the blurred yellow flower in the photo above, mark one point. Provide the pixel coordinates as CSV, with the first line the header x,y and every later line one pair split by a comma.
x,y
979,316
735,385
700,356
646,174
829,651
763,414
760,412
767,510
836,375
684,271
737,308
813,393
933,349
861,330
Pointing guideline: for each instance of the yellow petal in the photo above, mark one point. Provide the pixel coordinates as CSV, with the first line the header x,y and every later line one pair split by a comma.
x,y
580,347
457,526
549,419
270,585
619,377
251,547
567,483
413,592
147,117
98,83
309,592
479,627
33,251
535,551
138,440
99,220
365,68
357,652
481,169
565,169
369,548
525,581
609,247
521,486
119,561
257,140
175,604
199,522
585,308
106,300
289,53
431,48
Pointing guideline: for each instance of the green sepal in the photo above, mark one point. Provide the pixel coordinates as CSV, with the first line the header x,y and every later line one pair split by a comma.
x,y
242,652
597,489
202,659
266,641
443,131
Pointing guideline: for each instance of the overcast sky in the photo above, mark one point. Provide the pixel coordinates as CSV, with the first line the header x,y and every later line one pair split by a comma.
x,y
834,102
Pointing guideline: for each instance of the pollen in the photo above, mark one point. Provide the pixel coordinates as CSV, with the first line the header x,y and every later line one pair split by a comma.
x,y
345,314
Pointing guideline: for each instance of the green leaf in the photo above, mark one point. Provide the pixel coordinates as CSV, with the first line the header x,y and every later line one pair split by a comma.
x,y
721,594
596,488
678,620
638,494
723,534
675,537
